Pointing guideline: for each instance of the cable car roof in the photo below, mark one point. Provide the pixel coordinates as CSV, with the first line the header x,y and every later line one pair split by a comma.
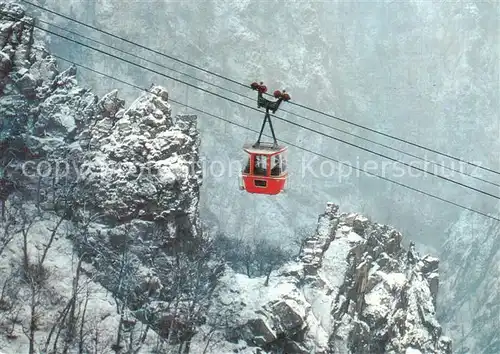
x,y
264,149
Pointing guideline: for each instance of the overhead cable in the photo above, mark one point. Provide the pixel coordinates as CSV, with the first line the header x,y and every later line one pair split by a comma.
x,y
286,142
246,86
283,110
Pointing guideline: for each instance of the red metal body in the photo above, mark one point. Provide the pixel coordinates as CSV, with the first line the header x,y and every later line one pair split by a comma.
x,y
270,180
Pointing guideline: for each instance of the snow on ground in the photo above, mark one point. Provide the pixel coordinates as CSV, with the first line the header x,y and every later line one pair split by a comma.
x,y
412,351
254,294
381,294
61,262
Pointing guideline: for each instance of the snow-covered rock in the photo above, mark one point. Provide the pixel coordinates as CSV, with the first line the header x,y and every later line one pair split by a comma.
x,y
140,175
133,163
41,109
354,290
126,179
143,164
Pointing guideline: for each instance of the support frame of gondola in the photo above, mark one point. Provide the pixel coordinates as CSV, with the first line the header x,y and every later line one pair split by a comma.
x,y
269,106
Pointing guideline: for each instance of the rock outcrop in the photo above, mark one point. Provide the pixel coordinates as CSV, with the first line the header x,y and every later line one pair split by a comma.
x,y
133,163
142,164
127,178
42,110
354,289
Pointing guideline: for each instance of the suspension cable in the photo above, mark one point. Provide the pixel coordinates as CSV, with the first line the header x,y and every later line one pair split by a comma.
x,y
286,142
280,118
284,110
246,86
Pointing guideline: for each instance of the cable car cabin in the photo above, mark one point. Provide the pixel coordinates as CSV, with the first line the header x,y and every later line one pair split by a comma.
x,y
265,172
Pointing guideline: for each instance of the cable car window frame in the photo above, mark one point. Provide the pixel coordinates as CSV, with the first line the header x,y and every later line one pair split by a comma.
x,y
276,165
283,161
278,168
259,161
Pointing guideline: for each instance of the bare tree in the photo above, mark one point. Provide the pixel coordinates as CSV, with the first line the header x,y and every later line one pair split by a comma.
x,y
6,188
71,323
10,306
35,282
9,224
8,293
123,278
301,234
7,185
238,252
218,321
257,257
81,341
56,328
34,273
202,271
27,222
190,270
270,257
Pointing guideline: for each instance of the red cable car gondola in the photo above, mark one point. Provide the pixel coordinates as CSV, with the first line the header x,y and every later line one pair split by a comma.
x,y
265,171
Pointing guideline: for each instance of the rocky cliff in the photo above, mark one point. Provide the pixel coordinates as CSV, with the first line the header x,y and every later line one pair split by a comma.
x,y
121,180
135,163
354,289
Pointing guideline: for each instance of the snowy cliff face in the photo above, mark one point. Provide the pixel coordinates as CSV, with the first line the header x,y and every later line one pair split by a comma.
x,y
136,214
470,297
129,163
110,191
41,109
143,164
353,290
